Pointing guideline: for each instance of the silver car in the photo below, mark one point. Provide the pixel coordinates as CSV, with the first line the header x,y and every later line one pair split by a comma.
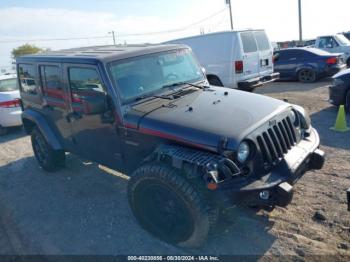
x,y
10,109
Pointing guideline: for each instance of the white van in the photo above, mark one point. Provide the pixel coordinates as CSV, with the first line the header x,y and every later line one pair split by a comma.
x,y
235,59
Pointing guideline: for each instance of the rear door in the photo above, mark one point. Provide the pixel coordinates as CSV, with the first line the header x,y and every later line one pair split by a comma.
x,y
265,53
54,95
250,56
285,63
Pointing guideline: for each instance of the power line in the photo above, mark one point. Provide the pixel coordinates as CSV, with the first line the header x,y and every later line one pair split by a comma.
x,y
121,35
177,29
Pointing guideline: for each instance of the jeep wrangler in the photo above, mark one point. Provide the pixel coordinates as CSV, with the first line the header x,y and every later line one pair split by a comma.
x,y
191,149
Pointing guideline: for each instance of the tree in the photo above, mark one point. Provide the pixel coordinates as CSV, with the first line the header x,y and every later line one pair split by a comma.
x,y
26,49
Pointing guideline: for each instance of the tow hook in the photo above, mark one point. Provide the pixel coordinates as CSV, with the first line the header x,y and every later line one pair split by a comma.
x,y
285,194
317,159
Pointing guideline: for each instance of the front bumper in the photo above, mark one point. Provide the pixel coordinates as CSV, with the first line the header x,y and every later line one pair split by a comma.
x,y
250,84
275,188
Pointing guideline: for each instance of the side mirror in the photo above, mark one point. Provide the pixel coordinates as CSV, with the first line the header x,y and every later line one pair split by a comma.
x,y
94,105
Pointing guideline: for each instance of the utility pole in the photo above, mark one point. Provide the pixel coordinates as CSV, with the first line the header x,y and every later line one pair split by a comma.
x,y
228,2
300,23
113,35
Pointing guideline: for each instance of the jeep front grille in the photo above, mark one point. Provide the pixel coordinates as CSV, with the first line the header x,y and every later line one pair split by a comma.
x,y
276,141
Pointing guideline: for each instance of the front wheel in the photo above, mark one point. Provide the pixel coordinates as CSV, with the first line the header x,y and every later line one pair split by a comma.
x,y
168,207
307,76
48,158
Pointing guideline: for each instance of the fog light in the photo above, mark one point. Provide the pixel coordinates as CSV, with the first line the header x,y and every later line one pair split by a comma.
x,y
264,195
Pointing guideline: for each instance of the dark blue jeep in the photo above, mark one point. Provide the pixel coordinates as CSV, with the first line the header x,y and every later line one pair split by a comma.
x,y
190,149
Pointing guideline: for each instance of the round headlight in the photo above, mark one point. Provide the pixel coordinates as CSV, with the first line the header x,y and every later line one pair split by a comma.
x,y
292,116
243,152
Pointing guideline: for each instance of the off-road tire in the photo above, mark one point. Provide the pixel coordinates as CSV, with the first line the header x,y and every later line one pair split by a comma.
x,y
180,216
215,81
48,158
347,101
3,131
307,76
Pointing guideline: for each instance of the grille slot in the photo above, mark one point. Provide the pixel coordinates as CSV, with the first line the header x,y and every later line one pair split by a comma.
x,y
276,141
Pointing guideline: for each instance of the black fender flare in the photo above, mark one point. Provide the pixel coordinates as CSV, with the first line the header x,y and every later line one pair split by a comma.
x,y
39,121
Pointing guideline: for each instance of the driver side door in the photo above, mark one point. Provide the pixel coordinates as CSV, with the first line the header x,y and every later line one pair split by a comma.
x,y
94,129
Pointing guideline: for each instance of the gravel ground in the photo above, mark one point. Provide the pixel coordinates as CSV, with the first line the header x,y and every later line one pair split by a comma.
x,y
83,209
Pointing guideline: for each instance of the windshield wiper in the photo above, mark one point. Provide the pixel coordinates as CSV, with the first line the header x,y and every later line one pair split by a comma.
x,y
170,96
153,96
184,83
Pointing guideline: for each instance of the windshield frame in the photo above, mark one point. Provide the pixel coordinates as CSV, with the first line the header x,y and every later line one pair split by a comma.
x,y
159,91
342,40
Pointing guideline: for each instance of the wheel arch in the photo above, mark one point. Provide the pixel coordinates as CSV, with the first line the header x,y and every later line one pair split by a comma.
x,y
32,119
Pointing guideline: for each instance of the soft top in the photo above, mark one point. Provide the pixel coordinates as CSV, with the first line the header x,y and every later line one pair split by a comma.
x,y
94,54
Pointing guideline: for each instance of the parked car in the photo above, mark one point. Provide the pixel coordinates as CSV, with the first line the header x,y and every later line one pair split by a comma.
x,y
306,64
10,109
339,91
337,43
235,59
189,148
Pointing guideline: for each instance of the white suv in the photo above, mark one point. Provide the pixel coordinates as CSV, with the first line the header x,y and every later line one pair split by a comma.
x,y
235,59
10,108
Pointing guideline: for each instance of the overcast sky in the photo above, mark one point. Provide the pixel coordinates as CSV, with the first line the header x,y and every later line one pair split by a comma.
x,y
26,20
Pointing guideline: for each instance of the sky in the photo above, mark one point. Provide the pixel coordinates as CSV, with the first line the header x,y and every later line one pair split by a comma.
x,y
154,21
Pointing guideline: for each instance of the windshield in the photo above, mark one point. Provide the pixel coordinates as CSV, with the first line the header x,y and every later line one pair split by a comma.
x,y
343,40
137,77
8,85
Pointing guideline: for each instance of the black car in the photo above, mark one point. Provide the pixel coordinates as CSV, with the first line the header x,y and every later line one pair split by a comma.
x,y
190,149
306,64
339,91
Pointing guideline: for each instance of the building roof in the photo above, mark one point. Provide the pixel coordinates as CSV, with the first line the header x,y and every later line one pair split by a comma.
x,y
93,54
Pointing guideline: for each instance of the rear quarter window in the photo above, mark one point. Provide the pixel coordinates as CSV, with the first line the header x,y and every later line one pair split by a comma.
x,y
8,85
262,41
248,42
26,73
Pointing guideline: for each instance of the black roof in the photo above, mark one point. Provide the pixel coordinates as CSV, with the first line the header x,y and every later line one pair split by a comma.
x,y
93,54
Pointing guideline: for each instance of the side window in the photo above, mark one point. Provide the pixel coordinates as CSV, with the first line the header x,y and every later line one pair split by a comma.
x,y
262,40
248,41
51,81
334,42
26,74
328,42
84,82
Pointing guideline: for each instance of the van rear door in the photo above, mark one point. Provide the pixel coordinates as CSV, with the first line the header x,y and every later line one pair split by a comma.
x,y
250,57
265,53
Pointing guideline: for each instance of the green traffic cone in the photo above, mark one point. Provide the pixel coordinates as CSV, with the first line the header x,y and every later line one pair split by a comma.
x,y
340,124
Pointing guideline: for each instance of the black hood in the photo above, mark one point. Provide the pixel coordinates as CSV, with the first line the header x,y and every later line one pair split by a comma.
x,y
205,117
